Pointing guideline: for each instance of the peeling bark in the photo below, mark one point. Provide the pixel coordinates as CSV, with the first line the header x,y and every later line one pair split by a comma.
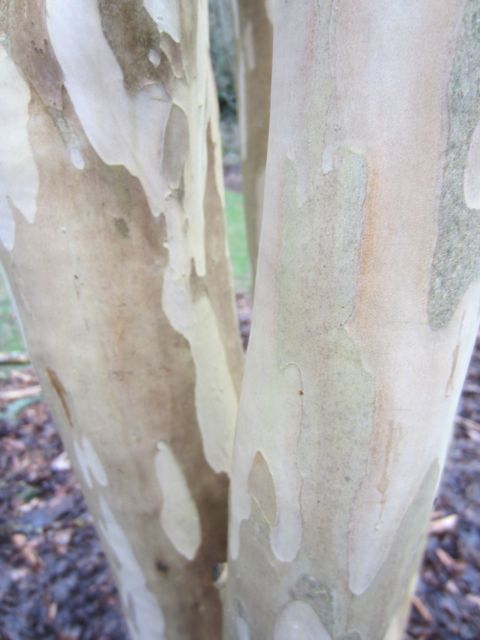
x,y
253,22
110,181
366,313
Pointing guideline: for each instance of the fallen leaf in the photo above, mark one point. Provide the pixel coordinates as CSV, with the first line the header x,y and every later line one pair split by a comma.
x,y
443,525
422,609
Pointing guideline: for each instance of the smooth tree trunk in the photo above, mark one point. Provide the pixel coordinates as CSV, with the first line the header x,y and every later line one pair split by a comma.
x,y
366,311
253,25
113,240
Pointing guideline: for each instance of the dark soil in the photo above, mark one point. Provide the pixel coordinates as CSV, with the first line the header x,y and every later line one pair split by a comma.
x,y
54,580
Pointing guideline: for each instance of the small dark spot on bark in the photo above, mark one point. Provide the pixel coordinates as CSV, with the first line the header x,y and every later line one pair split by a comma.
x,y
217,571
161,566
300,393
122,227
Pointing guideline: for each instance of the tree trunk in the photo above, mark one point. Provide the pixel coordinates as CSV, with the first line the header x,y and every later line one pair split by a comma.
x,y
254,33
111,219
365,317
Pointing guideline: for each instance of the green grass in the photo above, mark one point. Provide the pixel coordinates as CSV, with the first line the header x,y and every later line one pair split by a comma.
x,y
10,336
237,240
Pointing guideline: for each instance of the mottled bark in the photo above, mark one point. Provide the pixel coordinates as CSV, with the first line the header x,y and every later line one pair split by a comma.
x,y
366,312
254,33
111,222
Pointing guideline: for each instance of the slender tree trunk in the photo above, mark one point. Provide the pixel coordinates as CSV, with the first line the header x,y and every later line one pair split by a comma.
x,y
366,313
111,220
254,34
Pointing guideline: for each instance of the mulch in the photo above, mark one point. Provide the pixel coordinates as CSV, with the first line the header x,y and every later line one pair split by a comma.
x,y
54,580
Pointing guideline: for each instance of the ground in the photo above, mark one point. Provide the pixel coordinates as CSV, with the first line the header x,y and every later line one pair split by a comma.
x,y
54,580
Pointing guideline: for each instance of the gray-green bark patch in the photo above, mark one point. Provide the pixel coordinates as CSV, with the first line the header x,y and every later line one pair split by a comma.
x,y
322,234
322,220
456,261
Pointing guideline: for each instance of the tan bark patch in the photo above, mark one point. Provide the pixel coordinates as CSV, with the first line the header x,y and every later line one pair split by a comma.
x,y
61,393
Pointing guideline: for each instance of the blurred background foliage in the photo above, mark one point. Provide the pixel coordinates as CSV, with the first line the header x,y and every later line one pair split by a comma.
x,y
10,337
222,48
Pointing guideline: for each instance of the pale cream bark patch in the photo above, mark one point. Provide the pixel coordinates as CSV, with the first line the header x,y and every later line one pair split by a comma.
x,y
154,57
299,620
7,224
77,158
166,16
249,45
89,463
281,423
18,171
270,8
179,514
397,624
215,395
259,191
241,627
145,620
